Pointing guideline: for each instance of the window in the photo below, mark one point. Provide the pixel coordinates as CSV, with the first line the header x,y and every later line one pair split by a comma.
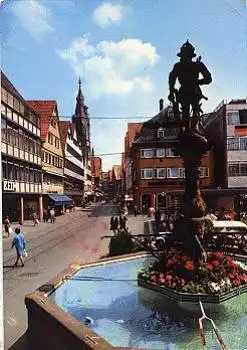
x,y
173,172
160,173
243,116
161,133
233,170
21,173
26,174
3,110
56,142
160,153
4,170
15,136
203,172
50,139
9,113
16,104
10,173
53,123
21,139
243,169
170,152
4,95
31,146
147,173
10,100
233,118
16,172
9,137
3,129
243,143
26,143
232,143
147,153
181,173
31,175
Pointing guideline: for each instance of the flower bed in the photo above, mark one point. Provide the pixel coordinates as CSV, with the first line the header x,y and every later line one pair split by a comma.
x,y
176,272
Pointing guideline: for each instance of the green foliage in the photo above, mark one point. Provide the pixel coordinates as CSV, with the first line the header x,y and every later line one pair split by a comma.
x,y
121,243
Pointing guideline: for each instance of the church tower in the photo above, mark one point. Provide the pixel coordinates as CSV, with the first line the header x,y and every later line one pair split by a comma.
x,y
82,125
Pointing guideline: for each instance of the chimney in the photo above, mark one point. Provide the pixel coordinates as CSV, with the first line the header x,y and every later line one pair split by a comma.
x,y
161,104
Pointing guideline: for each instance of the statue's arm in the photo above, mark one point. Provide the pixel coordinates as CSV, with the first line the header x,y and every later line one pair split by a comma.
x,y
207,78
172,78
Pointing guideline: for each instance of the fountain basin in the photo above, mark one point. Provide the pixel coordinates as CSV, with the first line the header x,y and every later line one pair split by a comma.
x,y
124,315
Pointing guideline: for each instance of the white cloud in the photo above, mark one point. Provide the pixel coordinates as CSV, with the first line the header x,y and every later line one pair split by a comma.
x,y
112,68
107,13
33,16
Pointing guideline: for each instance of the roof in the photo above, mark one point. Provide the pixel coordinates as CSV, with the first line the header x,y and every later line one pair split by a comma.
x,y
164,118
45,108
133,131
63,130
6,84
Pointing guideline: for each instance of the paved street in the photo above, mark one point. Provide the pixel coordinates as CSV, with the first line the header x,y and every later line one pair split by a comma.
x,y
75,237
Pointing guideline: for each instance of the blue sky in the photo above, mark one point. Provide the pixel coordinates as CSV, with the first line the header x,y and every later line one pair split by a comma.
x,y
123,51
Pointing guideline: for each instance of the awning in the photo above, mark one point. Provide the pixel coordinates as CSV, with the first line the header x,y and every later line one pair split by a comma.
x,y
60,199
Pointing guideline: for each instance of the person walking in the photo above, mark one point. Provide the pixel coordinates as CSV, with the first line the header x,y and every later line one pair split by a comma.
x,y
135,210
115,224
45,215
34,217
7,226
19,243
52,215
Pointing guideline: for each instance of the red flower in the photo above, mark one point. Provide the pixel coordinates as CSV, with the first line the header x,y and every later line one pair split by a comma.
x,y
209,267
173,285
162,280
189,265
237,282
182,281
153,278
215,263
169,277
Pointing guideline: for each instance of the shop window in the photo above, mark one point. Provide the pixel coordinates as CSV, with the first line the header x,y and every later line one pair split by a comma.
x,y
160,173
147,153
3,129
147,173
243,116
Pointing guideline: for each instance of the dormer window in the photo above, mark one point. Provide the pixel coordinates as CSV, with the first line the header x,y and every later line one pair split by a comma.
x,y
161,133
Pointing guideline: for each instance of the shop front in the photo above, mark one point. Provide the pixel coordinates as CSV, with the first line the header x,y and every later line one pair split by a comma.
x,y
60,202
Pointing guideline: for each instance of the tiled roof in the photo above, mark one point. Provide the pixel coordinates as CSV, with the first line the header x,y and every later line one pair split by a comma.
x,y
63,130
45,110
133,130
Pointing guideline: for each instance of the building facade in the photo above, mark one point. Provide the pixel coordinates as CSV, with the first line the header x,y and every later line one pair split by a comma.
x,y
97,175
226,127
52,153
21,155
82,126
158,174
73,162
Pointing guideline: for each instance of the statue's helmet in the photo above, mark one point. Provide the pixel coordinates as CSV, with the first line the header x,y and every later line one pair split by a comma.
x,y
187,50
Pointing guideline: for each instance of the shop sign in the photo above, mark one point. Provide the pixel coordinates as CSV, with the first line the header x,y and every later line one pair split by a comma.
x,y
9,186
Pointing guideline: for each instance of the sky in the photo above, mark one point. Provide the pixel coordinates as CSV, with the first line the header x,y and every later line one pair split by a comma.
x,y
123,50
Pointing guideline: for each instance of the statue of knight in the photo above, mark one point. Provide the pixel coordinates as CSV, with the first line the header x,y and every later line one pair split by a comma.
x,y
189,94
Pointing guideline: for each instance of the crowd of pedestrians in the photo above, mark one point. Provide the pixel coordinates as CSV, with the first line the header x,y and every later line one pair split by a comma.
x,y
118,223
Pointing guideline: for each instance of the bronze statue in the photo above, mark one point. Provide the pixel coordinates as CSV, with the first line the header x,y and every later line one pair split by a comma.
x,y
189,94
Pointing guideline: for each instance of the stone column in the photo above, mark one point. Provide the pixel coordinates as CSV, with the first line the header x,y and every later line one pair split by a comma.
x,y
22,211
40,207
